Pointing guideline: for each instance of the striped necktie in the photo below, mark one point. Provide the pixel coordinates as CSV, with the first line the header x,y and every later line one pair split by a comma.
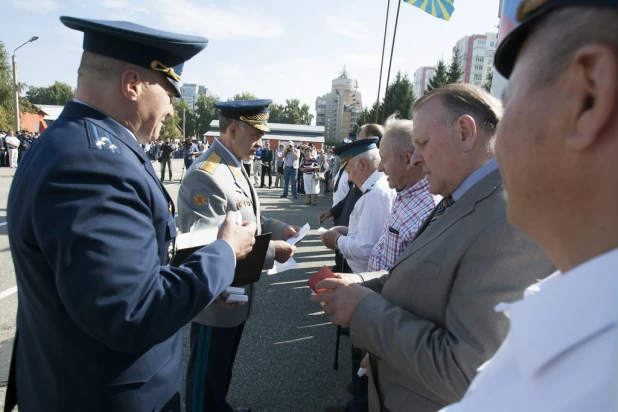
x,y
441,208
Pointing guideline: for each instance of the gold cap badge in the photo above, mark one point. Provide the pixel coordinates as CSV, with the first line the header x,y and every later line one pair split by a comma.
x,y
526,8
156,65
258,121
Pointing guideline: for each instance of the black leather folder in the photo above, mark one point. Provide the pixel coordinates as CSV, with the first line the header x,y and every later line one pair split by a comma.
x,y
248,270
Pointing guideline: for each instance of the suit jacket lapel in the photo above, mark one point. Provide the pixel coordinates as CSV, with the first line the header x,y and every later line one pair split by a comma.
x,y
254,197
218,148
456,212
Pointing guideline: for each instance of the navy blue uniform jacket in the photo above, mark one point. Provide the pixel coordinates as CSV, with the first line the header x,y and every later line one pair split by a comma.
x,y
99,311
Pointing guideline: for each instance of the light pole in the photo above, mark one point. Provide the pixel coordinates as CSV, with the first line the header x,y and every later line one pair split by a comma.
x,y
15,91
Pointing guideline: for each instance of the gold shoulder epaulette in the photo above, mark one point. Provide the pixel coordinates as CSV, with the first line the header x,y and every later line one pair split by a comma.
x,y
211,163
235,171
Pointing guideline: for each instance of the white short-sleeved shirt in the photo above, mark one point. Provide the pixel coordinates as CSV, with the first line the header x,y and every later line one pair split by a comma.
x,y
562,351
367,220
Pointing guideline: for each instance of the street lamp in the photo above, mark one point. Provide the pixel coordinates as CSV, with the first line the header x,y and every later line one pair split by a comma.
x,y
15,91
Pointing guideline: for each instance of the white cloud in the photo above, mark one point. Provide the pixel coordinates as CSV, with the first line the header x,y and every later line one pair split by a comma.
x,y
35,6
352,29
124,6
218,23
366,60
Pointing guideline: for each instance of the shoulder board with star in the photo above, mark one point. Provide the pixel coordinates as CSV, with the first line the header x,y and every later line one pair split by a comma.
x,y
100,138
211,163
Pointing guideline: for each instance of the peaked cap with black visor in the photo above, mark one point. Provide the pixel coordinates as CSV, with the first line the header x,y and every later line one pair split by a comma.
x,y
529,14
158,50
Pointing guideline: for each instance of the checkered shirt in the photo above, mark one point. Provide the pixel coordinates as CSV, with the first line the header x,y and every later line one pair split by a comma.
x,y
412,206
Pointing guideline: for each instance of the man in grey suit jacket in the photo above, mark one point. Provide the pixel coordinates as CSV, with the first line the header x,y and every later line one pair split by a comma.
x,y
429,323
216,184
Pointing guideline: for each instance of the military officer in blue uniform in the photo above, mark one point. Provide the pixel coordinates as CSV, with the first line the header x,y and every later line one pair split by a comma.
x,y
216,184
90,228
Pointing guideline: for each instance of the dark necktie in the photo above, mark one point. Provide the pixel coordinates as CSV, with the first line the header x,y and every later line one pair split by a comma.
x,y
441,208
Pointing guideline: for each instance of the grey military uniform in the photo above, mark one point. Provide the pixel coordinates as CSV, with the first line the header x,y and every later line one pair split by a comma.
x,y
213,186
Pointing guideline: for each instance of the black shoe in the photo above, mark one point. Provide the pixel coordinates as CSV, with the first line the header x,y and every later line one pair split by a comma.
x,y
283,196
295,197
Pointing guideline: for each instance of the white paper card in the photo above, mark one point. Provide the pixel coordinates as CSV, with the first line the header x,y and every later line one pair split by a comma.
x,y
301,234
237,217
202,232
282,267
322,230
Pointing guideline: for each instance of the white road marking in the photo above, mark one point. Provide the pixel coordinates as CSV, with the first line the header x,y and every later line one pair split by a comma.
x,y
8,292
3,224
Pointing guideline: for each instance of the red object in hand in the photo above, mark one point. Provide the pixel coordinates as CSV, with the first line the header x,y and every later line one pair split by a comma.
x,y
323,273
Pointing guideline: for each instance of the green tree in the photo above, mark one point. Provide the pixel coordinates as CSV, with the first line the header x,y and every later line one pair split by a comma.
x,y
243,96
290,113
489,81
368,115
455,70
6,90
297,114
57,94
399,98
276,113
170,130
205,113
440,78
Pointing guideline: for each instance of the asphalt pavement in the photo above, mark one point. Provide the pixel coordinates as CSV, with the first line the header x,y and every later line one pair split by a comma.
x,y
285,359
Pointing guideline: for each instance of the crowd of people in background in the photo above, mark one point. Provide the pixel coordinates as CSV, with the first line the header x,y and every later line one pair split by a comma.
x,y
13,147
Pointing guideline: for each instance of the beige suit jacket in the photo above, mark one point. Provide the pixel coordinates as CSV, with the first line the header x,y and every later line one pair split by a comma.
x,y
213,186
433,322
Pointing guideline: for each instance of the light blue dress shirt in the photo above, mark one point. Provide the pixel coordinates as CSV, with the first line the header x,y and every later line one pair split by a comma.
x,y
474,178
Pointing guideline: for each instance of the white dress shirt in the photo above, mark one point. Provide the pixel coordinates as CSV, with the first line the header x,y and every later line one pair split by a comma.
x,y
561,352
367,220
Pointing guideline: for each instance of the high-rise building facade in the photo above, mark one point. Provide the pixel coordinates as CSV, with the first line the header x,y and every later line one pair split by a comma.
x,y
190,93
422,76
477,57
338,110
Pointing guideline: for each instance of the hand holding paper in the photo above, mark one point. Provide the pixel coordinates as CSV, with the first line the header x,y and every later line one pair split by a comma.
x,y
283,251
240,237
300,234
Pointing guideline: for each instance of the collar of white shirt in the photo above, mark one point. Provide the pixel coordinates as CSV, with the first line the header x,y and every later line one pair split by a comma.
x,y
563,311
111,118
371,180
234,158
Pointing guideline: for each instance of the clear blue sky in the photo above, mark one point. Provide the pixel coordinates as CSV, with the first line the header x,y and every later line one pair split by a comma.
x,y
275,49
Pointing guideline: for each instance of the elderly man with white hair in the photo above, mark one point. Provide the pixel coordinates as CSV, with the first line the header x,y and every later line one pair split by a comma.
x,y
361,160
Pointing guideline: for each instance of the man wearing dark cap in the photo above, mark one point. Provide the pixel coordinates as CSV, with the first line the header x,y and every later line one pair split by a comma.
x,y
559,171
340,213
92,230
216,184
